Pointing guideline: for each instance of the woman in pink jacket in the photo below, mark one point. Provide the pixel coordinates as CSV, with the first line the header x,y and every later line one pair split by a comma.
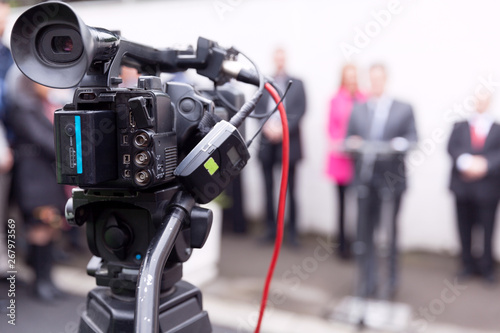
x,y
340,167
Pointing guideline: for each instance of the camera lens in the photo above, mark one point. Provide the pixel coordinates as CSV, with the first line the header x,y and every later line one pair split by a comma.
x,y
62,44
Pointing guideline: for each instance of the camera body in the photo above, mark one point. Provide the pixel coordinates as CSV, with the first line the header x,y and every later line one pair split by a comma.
x,y
115,139
124,138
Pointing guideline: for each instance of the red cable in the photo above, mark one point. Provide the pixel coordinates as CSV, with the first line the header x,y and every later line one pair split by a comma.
x,y
281,206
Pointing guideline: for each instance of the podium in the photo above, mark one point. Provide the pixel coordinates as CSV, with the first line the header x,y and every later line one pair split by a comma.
x,y
375,246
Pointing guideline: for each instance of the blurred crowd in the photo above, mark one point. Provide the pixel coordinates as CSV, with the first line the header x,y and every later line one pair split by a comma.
x,y
369,134
28,186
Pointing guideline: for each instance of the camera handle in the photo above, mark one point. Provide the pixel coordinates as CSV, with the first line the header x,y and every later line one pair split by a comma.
x,y
148,282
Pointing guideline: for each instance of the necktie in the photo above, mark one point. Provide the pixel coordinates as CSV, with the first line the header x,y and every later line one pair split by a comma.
x,y
477,140
380,113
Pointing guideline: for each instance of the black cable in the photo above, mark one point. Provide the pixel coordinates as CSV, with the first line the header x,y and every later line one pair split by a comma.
x,y
224,101
268,115
231,107
273,83
249,106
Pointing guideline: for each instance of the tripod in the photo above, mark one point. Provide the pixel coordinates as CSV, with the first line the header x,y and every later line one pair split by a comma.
x,y
139,241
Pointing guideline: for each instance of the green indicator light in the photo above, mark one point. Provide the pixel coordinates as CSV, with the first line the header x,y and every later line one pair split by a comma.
x,y
211,166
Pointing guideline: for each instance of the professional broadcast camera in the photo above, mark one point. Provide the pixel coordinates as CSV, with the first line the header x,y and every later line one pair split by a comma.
x,y
142,157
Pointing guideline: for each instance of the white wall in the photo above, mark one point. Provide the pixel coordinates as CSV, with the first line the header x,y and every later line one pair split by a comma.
x,y
436,52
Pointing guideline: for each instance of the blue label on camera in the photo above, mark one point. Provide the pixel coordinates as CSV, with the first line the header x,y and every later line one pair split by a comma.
x,y
78,138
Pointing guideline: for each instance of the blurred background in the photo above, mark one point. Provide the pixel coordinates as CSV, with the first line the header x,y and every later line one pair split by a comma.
x,y
437,54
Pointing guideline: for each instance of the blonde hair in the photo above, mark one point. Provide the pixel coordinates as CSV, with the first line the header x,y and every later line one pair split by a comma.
x,y
344,70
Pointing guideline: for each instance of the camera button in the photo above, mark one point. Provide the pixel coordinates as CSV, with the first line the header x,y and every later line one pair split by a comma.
x,y
69,130
187,105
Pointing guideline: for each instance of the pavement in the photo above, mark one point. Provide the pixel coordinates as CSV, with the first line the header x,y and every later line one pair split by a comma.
x,y
309,285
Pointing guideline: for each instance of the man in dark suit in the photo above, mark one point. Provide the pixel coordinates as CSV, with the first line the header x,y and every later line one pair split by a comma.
x,y
270,145
474,147
380,180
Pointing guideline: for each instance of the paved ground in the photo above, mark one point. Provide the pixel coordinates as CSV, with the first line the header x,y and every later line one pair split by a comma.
x,y
309,283
32,315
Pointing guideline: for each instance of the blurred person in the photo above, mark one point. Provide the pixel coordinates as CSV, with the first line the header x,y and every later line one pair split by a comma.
x,y
6,162
270,145
380,120
6,158
5,56
339,167
474,147
41,200
129,77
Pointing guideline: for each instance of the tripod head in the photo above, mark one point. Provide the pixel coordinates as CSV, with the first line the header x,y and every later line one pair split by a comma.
x,y
120,230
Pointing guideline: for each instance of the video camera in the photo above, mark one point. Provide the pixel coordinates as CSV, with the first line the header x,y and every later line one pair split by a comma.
x,y
119,138
142,158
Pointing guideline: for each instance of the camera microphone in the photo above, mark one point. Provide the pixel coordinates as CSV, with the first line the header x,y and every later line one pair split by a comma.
x,y
238,72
